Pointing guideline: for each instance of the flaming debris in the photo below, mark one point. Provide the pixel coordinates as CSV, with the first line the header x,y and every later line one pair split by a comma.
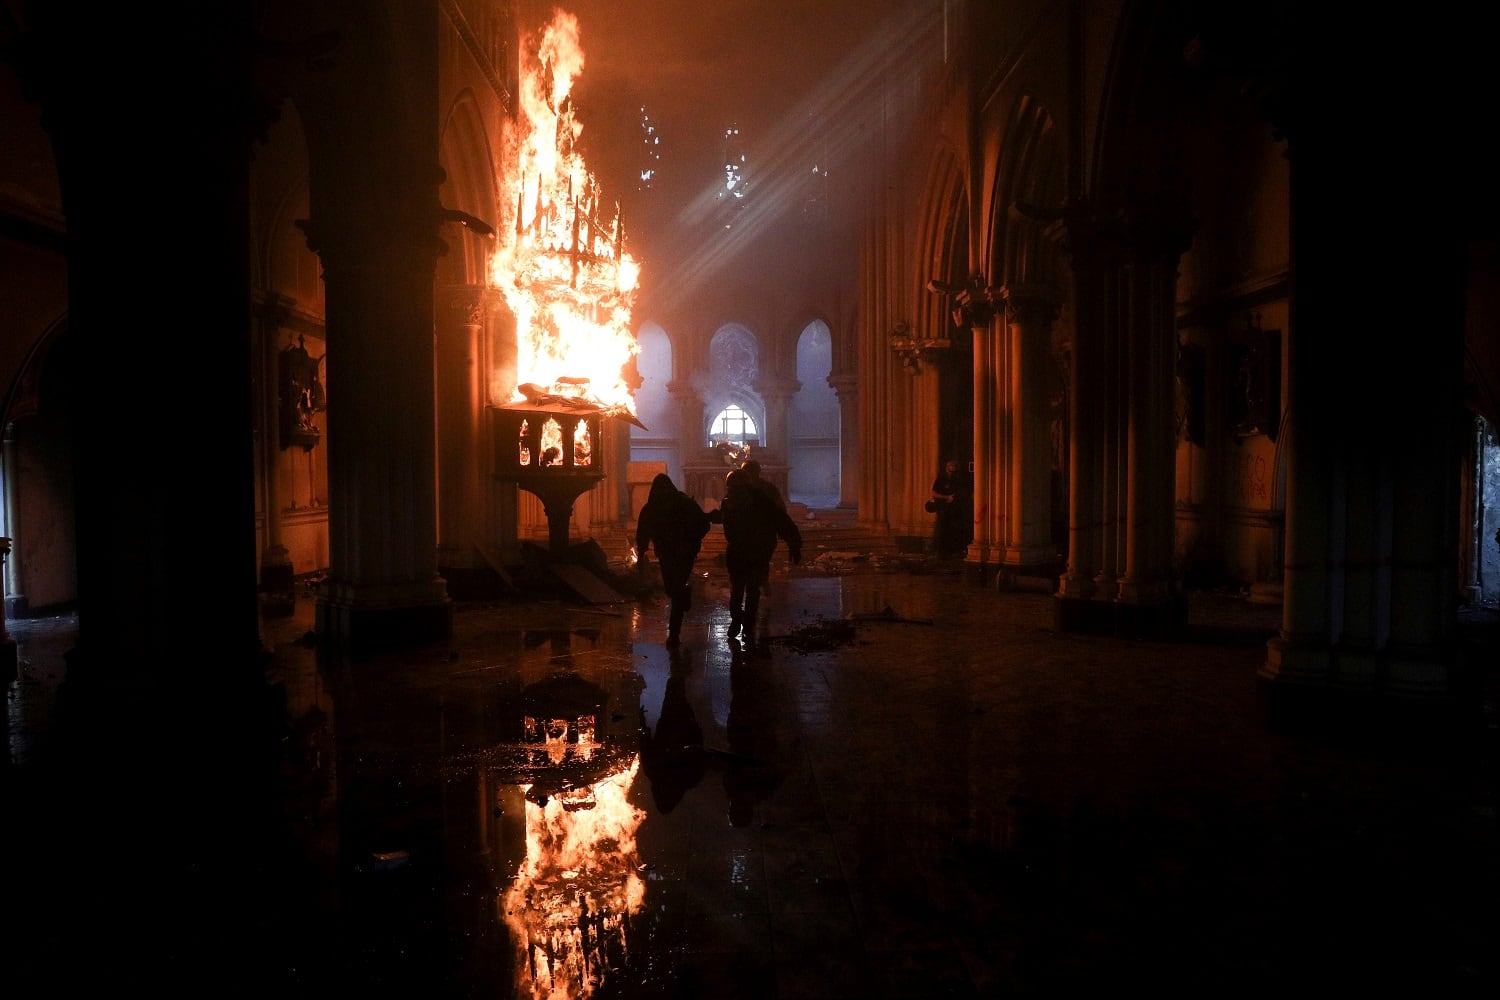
x,y
565,273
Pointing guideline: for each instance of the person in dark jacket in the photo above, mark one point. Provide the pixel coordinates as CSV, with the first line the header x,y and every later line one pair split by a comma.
x,y
751,468
672,523
753,523
952,501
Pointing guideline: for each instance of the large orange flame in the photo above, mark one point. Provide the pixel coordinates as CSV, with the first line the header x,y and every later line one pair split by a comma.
x,y
578,888
563,268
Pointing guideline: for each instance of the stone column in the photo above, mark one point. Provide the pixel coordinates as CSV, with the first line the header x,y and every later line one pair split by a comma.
x,y
1424,454
166,561
1029,315
383,586
1158,234
875,369
1364,493
1110,429
15,592
777,394
9,663
992,445
1091,243
460,390
1299,655
1471,514
846,388
691,439
277,572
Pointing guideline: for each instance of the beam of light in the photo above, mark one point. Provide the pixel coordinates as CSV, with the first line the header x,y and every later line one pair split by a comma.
x,y
844,112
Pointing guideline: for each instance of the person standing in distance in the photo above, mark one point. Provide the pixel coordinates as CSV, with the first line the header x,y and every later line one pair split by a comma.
x,y
952,502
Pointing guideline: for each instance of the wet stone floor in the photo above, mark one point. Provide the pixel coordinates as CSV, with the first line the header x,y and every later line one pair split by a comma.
x,y
907,786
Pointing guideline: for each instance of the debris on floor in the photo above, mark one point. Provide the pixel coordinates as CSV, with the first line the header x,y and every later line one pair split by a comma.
x,y
888,614
822,634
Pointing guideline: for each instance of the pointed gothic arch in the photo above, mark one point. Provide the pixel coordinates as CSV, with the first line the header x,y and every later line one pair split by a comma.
x,y
469,186
734,364
945,244
813,451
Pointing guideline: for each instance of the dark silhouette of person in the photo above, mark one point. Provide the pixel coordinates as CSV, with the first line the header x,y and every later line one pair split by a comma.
x,y
672,754
751,468
753,524
672,523
953,499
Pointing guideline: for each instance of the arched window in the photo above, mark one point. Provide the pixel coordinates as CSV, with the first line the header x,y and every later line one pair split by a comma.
x,y
654,439
813,444
734,426
653,403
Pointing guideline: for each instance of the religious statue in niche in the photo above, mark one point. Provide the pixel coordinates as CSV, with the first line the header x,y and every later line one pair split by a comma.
x,y
1255,396
301,397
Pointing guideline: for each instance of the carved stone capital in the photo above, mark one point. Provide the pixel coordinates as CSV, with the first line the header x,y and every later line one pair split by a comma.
x,y
373,245
844,386
974,302
777,388
914,351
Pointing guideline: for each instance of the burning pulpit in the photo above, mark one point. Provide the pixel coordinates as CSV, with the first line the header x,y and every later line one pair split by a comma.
x,y
552,447
570,286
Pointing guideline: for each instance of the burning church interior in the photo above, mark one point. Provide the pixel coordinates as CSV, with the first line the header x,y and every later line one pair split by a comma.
x,y
717,259
383,311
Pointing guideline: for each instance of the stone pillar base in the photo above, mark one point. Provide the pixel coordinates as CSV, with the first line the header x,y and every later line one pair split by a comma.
x,y
1419,673
1294,662
1023,557
1074,586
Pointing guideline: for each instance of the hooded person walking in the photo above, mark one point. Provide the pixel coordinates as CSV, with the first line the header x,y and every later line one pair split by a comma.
x,y
753,523
672,524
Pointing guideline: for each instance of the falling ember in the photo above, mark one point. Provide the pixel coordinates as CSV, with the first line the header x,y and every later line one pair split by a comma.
x,y
565,272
